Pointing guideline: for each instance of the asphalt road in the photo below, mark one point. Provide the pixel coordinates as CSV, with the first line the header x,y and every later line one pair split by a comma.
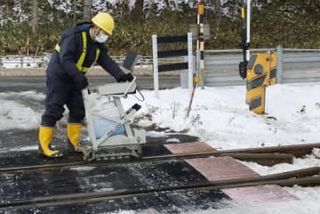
x,y
20,83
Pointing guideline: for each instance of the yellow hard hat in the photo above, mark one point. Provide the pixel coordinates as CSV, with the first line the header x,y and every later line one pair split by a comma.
x,y
104,21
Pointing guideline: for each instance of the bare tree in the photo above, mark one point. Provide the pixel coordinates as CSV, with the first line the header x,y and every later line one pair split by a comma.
x,y
137,11
35,17
217,11
87,9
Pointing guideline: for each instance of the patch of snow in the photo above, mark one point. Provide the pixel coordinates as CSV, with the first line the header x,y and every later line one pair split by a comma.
x,y
316,153
82,168
172,140
17,116
23,61
296,207
298,163
20,149
104,189
220,117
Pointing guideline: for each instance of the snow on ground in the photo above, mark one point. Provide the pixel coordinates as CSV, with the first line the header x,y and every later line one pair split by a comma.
x,y
300,207
15,111
298,163
24,62
309,196
220,118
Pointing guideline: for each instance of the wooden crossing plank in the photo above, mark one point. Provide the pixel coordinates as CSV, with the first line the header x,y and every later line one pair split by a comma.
x,y
224,168
221,168
182,148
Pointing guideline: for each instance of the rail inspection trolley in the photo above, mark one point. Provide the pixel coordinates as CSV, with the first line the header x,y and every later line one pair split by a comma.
x,y
110,133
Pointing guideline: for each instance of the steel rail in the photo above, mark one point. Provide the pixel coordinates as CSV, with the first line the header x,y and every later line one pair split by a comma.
x,y
302,177
251,154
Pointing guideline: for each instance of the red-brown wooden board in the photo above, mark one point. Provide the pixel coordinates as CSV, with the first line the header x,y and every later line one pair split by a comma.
x,y
225,168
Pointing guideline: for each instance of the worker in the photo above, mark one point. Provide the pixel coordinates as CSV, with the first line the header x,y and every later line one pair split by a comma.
x,y
80,46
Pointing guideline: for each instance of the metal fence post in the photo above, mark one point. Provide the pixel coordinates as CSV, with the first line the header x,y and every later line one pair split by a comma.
x,y
155,65
279,64
190,63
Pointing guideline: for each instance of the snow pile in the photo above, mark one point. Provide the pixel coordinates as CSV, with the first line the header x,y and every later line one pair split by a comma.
x,y
220,117
298,163
300,207
16,113
24,62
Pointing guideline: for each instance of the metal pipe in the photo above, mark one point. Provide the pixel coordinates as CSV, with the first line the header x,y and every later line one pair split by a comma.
x,y
248,28
155,66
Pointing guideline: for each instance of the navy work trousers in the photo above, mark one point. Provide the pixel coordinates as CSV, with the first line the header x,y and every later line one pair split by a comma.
x,y
60,92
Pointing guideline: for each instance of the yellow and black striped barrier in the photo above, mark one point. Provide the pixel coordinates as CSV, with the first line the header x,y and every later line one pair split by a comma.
x,y
261,72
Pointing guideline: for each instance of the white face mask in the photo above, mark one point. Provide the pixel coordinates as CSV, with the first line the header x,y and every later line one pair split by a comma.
x,y
101,37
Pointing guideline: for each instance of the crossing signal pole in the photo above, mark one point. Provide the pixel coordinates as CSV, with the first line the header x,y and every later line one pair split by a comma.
x,y
259,70
198,76
245,36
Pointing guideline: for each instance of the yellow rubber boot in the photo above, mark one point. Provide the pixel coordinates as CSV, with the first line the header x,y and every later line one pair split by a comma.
x,y
73,133
45,139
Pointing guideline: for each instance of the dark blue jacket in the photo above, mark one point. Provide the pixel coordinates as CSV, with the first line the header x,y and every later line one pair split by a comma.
x,y
63,64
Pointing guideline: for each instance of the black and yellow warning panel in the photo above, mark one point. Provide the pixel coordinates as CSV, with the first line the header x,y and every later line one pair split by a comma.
x,y
261,72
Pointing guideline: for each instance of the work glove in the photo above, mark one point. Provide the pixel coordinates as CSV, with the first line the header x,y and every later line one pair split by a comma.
x,y
81,81
126,77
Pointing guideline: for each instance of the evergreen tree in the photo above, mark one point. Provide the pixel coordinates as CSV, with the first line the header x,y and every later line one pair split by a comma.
x,y
35,26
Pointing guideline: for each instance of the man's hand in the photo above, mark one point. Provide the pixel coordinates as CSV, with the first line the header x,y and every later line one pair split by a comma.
x,y
126,77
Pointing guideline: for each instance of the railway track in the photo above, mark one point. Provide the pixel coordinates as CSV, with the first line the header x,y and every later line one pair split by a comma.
x,y
264,156
302,177
195,186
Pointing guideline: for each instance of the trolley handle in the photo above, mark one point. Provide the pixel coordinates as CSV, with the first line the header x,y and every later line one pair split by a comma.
x,y
129,86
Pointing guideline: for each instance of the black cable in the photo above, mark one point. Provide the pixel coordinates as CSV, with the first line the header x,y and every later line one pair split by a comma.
x,y
143,98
